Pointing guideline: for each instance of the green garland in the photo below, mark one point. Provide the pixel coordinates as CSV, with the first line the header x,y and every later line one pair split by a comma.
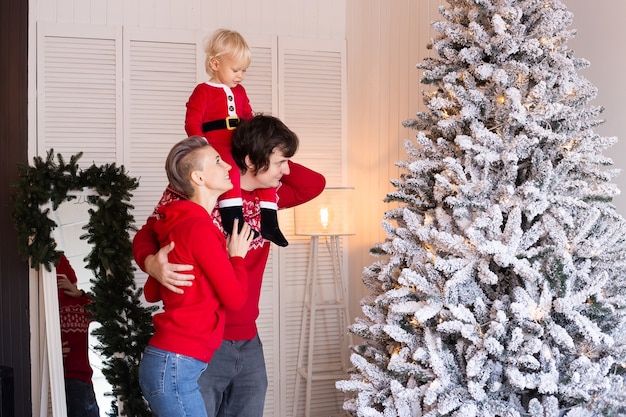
x,y
126,326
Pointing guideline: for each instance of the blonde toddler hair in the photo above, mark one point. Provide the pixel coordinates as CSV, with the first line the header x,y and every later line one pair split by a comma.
x,y
225,42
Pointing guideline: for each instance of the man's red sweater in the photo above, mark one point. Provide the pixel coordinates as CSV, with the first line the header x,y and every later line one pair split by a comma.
x,y
300,186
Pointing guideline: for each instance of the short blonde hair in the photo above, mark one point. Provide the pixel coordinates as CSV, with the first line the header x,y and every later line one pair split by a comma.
x,y
225,42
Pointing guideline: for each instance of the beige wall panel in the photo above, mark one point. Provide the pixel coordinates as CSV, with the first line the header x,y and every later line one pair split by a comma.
x,y
386,39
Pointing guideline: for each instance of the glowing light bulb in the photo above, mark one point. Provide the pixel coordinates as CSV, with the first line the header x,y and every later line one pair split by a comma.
x,y
546,352
324,217
536,313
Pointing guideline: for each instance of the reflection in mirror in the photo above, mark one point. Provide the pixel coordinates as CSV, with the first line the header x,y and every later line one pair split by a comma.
x,y
80,359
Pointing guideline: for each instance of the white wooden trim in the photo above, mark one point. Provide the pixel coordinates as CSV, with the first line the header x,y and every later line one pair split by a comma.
x,y
52,345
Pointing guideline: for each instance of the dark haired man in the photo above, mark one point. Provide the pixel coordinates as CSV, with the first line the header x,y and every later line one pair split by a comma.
x,y
235,381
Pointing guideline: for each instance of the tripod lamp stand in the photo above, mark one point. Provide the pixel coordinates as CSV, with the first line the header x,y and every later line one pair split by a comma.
x,y
329,216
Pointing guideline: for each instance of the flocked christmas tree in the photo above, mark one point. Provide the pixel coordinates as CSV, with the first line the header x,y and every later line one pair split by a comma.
x,y
501,285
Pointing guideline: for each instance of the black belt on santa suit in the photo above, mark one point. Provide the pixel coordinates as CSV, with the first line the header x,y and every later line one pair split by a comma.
x,y
229,123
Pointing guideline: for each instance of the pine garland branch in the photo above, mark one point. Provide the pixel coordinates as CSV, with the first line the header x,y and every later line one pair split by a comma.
x,y
126,325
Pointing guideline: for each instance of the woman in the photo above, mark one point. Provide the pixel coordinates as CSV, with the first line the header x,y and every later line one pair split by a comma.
x,y
191,326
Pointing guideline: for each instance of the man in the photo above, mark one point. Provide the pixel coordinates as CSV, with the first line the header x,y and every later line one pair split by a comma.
x,y
235,381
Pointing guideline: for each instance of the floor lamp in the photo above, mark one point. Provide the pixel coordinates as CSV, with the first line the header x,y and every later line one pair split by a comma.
x,y
329,216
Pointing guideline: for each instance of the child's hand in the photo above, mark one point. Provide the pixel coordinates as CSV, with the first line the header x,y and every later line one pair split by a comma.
x,y
239,242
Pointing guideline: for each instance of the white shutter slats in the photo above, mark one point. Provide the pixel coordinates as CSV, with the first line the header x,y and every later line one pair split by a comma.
x,y
260,82
311,88
79,110
78,93
161,75
312,104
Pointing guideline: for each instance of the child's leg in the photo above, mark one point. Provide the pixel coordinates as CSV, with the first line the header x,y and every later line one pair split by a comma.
x,y
269,217
230,203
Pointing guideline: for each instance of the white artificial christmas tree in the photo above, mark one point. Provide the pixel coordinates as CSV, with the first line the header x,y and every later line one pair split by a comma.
x,y
501,288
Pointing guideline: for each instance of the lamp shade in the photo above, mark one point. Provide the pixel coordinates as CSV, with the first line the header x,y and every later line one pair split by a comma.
x,y
329,214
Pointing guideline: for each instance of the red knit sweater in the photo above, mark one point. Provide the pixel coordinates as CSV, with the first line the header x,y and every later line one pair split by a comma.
x,y
300,186
192,323
74,319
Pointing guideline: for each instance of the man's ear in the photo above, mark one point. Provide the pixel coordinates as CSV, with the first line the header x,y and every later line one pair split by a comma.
x,y
249,165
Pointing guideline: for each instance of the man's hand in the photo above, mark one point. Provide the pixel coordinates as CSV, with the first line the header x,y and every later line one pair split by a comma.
x,y
63,283
158,267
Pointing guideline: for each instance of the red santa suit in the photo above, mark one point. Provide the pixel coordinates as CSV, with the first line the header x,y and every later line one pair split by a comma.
x,y
214,111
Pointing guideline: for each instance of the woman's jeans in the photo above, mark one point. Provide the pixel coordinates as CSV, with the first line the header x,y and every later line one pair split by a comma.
x,y
169,382
81,399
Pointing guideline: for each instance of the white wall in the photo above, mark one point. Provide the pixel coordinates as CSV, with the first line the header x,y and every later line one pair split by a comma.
x,y
601,39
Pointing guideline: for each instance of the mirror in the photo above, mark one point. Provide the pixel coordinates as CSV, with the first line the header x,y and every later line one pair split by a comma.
x,y
104,193
71,217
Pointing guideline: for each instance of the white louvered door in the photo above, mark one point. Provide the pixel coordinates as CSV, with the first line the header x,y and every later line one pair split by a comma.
x,y
78,92
311,97
79,110
260,84
159,73
119,94
312,102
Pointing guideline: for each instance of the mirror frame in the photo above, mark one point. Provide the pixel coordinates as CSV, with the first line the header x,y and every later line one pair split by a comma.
x,y
125,324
